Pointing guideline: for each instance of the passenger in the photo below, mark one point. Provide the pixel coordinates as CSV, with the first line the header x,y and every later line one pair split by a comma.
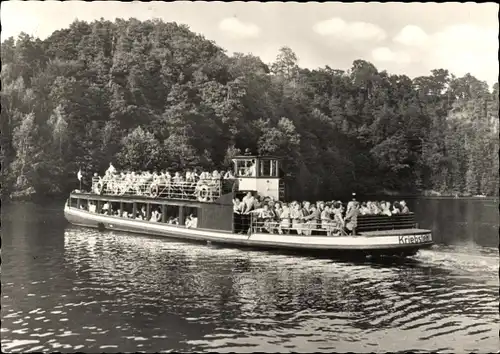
x,y
264,217
191,222
284,220
312,220
258,202
338,220
385,209
111,169
252,170
105,208
364,209
155,216
177,179
351,203
297,217
351,218
158,215
248,202
229,174
142,212
404,207
190,177
396,208
326,220
375,209
216,176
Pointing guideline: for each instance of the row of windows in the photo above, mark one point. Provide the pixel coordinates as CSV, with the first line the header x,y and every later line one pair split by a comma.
x,y
170,214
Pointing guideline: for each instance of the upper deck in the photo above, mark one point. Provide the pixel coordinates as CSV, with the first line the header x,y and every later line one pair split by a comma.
x,y
204,190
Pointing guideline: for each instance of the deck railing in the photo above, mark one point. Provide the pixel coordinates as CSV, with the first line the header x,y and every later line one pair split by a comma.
x,y
203,190
245,223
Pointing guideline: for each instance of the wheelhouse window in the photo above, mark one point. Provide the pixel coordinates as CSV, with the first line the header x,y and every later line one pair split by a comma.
x,y
244,167
265,168
268,168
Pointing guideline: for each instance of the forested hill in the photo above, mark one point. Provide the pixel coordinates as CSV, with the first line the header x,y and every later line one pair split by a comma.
x,y
154,95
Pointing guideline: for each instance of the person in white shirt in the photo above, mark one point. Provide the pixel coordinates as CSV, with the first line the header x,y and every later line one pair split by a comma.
x,y
191,222
252,170
111,169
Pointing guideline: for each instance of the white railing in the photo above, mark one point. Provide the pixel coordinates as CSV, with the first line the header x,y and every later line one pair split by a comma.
x,y
207,190
258,225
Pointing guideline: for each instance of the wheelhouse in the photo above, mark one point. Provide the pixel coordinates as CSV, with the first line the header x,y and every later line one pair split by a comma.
x,y
259,174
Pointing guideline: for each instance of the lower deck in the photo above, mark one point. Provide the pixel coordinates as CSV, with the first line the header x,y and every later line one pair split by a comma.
x,y
384,243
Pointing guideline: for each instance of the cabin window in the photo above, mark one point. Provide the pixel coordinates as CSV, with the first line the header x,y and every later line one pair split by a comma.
x,y
242,167
141,212
265,168
92,207
84,204
268,168
155,213
73,203
274,168
172,214
191,217
128,210
115,209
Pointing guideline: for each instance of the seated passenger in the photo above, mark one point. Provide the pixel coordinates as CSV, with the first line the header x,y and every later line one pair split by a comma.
x,y
264,216
296,216
375,208
216,175
92,207
177,179
192,222
396,208
364,210
190,177
326,220
155,216
312,220
284,218
338,221
385,209
404,207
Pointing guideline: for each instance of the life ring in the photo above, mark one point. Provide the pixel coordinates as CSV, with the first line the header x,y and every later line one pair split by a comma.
x,y
203,193
153,190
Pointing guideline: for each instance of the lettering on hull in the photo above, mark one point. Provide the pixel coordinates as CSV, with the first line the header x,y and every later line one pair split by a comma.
x,y
414,239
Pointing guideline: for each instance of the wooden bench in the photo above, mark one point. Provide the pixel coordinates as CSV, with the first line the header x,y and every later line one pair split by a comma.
x,y
384,222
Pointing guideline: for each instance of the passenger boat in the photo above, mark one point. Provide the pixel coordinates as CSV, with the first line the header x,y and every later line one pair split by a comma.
x,y
211,204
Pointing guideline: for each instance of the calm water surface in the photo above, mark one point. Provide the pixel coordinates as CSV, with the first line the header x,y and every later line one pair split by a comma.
x,y
66,289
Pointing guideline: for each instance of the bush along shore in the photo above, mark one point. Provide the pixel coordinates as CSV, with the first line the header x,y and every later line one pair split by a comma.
x,y
153,95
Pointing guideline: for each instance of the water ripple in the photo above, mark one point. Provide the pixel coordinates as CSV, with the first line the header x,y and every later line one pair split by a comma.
x,y
113,292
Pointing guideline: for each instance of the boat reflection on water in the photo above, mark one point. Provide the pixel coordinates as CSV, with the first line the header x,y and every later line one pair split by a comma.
x,y
244,301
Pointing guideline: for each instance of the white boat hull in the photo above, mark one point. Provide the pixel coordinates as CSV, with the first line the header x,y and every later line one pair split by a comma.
x,y
407,241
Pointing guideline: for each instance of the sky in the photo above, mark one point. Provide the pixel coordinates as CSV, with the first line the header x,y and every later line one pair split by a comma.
x,y
401,38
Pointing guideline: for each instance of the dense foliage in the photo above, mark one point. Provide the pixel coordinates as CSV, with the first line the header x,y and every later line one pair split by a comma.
x,y
152,95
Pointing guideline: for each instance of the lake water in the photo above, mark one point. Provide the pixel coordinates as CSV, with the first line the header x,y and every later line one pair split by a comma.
x,y
67,289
